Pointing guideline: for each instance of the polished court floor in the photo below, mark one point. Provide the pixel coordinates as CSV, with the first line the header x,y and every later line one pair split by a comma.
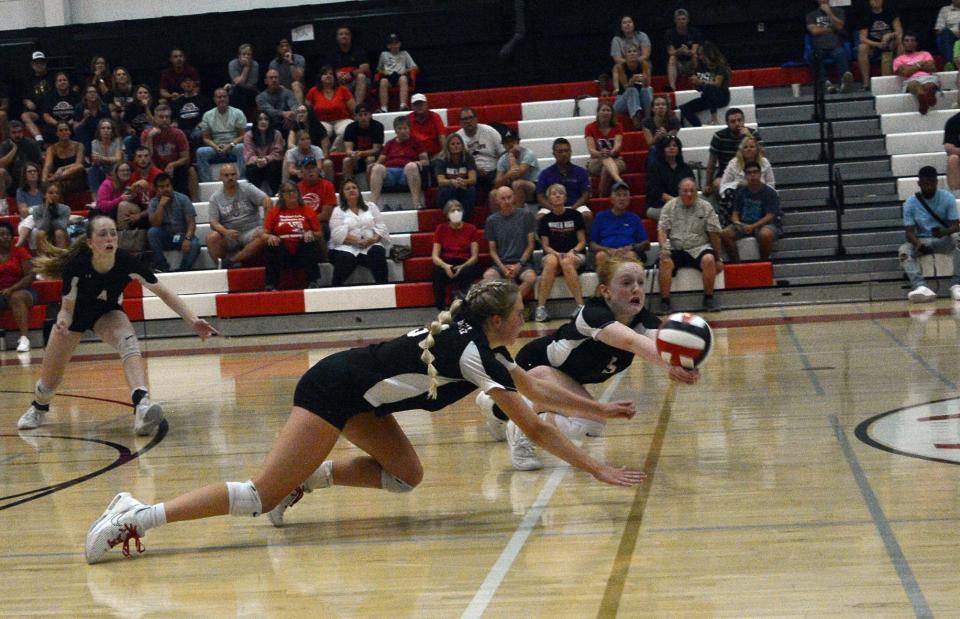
x,y
812,472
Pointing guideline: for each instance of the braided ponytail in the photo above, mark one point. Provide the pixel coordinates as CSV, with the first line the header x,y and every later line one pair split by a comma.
x,y
483,300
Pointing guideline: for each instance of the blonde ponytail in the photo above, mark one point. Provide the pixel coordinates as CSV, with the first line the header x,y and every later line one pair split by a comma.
x,y
443,318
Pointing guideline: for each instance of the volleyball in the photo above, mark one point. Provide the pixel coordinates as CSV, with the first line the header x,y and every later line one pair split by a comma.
x,y
685,340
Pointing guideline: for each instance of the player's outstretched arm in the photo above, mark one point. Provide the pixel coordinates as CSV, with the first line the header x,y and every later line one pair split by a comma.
x,y
203,328
557,398
618,335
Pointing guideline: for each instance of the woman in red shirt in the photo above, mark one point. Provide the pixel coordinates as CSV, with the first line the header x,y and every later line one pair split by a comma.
x,y
604,140
15,278
456,250
332,105
292,233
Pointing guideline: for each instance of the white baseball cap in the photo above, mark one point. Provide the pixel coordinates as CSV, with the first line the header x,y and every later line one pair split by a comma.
x,y
418,97
38,56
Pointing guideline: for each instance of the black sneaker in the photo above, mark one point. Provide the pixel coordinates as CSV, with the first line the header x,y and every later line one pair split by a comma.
x,y
665,305
710,304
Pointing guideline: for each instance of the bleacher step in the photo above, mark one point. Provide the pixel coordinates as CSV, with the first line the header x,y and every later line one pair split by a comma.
x,y
854,149
832,268
861,108
808,131
818,173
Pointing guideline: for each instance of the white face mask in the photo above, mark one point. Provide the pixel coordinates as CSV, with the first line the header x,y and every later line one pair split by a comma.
x,y
456,216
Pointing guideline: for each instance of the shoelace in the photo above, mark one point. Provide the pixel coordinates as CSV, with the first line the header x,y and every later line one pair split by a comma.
x,y
297,495
127,532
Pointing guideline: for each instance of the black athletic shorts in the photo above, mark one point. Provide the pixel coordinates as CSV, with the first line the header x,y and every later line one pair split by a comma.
x,y
534,354
85,318
682,258
327,390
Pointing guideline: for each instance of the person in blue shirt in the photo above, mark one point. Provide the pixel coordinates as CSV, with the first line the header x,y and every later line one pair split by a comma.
x,y
756,213
575,180
931,222
618,232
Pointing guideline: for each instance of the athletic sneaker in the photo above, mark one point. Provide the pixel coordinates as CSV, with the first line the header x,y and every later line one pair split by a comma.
x,y
541,314
955,292
523,454
147,417
921,294
31,419
495,426
276,514
23,344
117,525
846,82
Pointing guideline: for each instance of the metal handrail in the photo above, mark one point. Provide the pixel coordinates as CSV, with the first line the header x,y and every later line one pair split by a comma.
x,y
838,201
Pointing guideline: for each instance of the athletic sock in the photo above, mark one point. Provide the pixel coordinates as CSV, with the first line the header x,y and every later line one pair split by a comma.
x,y
41,407
138,394
151,516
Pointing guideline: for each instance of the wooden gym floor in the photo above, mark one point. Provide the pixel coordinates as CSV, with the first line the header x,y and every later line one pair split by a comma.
x,y
775,489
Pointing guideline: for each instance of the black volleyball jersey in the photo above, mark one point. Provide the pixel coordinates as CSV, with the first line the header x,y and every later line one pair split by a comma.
x,y
390,376
575,350
92,291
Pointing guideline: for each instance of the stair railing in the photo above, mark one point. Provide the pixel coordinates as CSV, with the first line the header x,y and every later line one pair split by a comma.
x,y
838,203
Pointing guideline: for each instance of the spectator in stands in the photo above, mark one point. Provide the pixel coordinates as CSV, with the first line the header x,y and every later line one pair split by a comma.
x,y
168,148
87,115
133,216
931,221
319,194
189,109
51,218
683,46
352,65
510,235
401,164
105,152
456,173
16,275
144,175
426,125
29,192
122,93
332,105
630,37
296,157
291,68
756,213
244,74
362,142
15,152
617,232
291,233
661,124
63,162
632,85
825,25
38,89
917,69
663,178
394,68
173,222
137,117
517,169
713,82
947,29
114,191
304,120
564,242
100,77
172,76
263,151
604,138
689,235
58,106
575,181
880,36
951,144
724,146
483,143
223,130
358,236
750,151
456,251
236,225
278,102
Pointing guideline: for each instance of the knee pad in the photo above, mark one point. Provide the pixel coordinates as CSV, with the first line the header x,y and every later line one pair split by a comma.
x,y
393,484
244,498
42,394
128,347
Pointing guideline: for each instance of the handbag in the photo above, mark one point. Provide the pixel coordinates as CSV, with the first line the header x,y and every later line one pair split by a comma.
x,y
399,253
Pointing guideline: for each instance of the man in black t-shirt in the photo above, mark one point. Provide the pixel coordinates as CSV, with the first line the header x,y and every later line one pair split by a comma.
x,y
683,43
362,141
880,36
951,144
38,87
188,110
351,63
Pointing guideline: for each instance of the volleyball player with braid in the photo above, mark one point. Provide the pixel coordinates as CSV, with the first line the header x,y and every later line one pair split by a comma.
x,y
599,342
354,393
95,273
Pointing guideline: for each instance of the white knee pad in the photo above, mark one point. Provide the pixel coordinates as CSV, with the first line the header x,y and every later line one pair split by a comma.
x,y
576,428
42,394
244,498
128,347
393,484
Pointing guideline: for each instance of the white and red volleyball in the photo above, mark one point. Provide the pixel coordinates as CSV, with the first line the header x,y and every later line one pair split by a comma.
x,y
685,340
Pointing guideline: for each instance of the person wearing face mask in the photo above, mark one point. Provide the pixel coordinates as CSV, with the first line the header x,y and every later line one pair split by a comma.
x,y
456,173
598,342
456,250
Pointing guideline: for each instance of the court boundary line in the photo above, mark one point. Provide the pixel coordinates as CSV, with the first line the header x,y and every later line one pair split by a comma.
x,y
491,584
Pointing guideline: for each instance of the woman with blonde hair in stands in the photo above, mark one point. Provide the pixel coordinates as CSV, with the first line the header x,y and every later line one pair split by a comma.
x,y
604,140
354,393
750,150
598,342
95,274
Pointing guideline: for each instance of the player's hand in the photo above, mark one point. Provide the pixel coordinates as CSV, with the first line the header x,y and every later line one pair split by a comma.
x,y
273,240
617,476
62,327
623,409
204,329
683,375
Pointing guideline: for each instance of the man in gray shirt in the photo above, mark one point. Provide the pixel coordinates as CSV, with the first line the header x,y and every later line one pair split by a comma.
x,y
173,221
236,224
689,235
825,26
510,233
277,101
